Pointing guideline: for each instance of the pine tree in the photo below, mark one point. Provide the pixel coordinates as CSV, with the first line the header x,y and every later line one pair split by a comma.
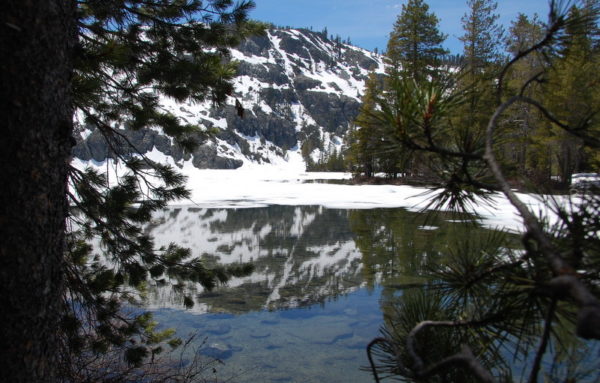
x,y
483,35
37,41
363,139
570,89
415,44
538,151
129,56
526,141
482,42
484,306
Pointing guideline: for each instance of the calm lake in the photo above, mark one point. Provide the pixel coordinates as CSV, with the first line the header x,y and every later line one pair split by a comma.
x,y
322,287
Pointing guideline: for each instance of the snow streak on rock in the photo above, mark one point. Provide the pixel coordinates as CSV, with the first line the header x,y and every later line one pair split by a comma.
x,y
294,86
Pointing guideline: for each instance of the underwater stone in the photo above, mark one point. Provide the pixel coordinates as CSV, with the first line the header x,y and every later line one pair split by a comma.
x,y
260,335
217,351
272,347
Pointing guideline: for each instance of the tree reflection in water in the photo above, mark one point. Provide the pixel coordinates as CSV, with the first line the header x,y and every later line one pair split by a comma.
x,y
478,277
437,266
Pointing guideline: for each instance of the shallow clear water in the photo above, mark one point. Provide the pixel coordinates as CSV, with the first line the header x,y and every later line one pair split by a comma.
x,y
319,291
320,343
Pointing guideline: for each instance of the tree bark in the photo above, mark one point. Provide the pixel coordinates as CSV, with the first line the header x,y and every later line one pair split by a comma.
x,y
37,40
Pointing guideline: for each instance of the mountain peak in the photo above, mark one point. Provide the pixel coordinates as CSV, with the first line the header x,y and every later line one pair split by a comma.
x,y
295,87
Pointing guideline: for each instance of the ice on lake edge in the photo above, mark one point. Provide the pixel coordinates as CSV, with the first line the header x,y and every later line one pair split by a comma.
x,y
285,182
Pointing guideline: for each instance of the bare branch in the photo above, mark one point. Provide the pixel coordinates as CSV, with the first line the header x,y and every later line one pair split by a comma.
x,y
370,356
588,325
534,78
588,140
465,357
556,26
588,317
544,342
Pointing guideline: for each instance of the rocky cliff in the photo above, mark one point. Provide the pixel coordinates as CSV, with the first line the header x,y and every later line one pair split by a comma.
x,y
297,87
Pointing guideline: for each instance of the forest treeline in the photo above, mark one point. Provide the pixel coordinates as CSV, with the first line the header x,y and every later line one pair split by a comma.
x,y
527,144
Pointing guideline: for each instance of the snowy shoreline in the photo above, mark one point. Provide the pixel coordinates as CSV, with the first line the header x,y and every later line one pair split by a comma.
x,y
245,189
286,182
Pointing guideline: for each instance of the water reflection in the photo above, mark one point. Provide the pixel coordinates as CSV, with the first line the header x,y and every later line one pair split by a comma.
x,y
302,255
323,281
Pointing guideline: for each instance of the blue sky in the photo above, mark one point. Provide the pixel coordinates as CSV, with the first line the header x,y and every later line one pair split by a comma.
x,y
369,22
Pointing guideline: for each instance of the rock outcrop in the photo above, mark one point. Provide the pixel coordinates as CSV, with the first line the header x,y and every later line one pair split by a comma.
x,y
294,85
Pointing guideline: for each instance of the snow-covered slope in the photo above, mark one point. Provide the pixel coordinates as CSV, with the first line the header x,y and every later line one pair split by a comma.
x,y
296,87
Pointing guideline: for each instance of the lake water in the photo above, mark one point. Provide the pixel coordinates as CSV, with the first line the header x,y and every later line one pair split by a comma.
x,y
322,281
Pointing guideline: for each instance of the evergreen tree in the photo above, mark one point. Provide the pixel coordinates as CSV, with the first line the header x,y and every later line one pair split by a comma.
x,y
414,52
536,150
483,35
128,57
570,89
526,148
482,301
482,42
415,44
363,139
37,41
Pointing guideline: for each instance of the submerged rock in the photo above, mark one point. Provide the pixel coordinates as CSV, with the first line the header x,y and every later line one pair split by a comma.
x,y
336,338
218,351
260,335
272,347
269,322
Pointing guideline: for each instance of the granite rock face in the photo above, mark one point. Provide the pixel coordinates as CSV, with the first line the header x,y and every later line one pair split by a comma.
x,y
291,83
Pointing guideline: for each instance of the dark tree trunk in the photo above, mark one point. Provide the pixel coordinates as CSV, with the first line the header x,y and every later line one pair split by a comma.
x,y
37,38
